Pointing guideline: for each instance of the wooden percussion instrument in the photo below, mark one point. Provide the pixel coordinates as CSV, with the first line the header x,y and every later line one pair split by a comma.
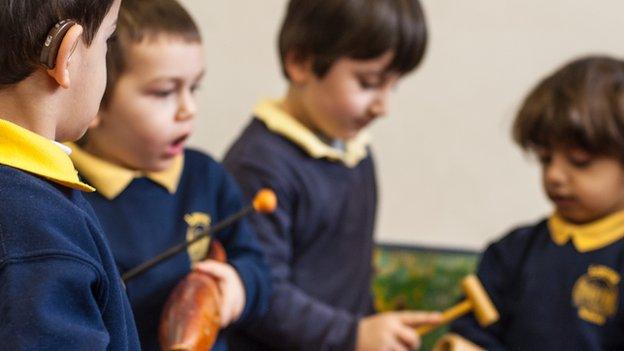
x,y
454,342
477,300
191,320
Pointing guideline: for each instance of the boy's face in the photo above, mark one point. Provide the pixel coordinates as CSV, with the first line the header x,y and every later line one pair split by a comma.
x,y
150,113
349,97
88,79
583,187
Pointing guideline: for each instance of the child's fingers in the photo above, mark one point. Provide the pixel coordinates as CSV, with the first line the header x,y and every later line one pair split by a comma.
x,y
238,299
415,318
221,272
226,304
239,304
214,268
408,336
230,286
396,345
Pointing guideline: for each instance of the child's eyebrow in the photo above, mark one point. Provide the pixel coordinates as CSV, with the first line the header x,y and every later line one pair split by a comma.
x,y
176,79
371,72
380,75
163,80
374,76
376,72
200,76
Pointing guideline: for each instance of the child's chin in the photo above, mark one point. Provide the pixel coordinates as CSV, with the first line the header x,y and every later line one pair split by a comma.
x,y
576,218
351,134
159,165
345,134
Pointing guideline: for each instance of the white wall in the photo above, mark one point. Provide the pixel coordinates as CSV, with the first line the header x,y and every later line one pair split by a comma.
x,y
449,173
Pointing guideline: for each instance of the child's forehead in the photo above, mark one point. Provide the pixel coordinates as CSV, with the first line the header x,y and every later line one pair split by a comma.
x,y
379,66
563,148
164,55
163,42
569,150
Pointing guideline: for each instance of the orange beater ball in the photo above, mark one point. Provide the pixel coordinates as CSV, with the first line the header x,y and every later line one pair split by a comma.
x,y
265,201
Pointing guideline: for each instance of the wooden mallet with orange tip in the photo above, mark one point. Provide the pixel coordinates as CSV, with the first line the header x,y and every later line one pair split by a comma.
x,y
477,300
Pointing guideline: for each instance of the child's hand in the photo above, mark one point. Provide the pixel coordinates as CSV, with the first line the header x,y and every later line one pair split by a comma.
x,y
231,287
392,331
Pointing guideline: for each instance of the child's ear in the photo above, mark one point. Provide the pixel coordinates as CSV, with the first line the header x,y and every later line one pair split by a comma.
x,y
299,68
60,72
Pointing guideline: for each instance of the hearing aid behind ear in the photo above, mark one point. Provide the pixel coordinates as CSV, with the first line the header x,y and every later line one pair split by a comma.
x,y
53,42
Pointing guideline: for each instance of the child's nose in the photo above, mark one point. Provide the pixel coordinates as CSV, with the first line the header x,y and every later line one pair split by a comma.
x,y
377,110
188,107
379,107
554,174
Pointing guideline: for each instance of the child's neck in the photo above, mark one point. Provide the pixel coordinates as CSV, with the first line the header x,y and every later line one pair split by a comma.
x,y
30,107
588,223
97,146
293,105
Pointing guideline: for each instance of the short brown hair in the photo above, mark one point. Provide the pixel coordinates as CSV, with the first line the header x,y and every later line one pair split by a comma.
x,y
580,105
24,25
326,30
141,20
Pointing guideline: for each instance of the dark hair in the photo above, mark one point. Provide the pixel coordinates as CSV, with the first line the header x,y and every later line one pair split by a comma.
x,y
326,30
141,20
580,105
25,24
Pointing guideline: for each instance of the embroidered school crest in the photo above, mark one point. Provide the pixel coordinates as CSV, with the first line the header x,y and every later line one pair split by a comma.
x,y
595,294
197,223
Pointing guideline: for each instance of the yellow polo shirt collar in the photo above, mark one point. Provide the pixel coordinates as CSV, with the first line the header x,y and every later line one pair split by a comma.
x,y
590,236
30,152
278,121
111,179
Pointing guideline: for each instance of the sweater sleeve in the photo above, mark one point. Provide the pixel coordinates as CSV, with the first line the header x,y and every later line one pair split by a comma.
x,y
244,253
498,271
51,303
294,319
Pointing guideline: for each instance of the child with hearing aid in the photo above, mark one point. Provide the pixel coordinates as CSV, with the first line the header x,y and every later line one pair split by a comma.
x,y
59,285
341,58
557,284
152,192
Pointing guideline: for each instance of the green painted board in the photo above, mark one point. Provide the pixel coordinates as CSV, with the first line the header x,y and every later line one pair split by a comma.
x,y
420,278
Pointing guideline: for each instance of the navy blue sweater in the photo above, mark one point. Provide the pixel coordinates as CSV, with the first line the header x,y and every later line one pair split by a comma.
x,y
540,290
59,287
318,243
145,219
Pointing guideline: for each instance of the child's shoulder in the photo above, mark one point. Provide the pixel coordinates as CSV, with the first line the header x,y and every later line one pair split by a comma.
x,y
200,162
508,253
201,167
260,148
525,232
20,191
197,158
10,177
37,216
257,141
519,238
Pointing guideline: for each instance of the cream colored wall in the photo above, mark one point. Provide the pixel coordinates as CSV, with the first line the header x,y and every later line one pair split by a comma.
x,y
449,174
